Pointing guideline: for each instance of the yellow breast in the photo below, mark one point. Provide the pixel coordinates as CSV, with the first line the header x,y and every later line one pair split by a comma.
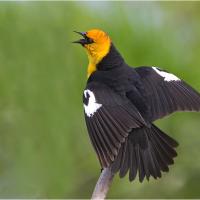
x,y
96,52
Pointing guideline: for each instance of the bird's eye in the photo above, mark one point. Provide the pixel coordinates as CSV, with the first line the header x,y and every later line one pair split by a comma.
x,y
89,40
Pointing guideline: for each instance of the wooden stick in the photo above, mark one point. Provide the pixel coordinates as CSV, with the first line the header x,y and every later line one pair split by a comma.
x,y
103,184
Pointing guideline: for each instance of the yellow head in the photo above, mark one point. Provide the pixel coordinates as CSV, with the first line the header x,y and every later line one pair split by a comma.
x,y
97,44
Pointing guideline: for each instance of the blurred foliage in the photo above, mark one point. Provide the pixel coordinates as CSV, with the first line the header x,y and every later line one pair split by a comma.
x,y
45,151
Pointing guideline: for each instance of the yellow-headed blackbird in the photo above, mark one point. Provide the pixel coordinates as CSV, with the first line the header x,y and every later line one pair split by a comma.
x,y
121,103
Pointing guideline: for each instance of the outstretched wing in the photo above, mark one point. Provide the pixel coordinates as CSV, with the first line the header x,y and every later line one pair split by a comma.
x,y
109,119
167,93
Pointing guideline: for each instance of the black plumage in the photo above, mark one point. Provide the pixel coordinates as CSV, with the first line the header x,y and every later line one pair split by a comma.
x,y
121,103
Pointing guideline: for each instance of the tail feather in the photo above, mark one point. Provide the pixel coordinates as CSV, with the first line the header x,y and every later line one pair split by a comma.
x,y
125,161
135,163
146,151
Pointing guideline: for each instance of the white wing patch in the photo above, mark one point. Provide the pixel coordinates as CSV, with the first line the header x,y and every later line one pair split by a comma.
x,y
92,105
167,76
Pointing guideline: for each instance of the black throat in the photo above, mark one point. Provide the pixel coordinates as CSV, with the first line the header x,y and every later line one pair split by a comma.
x,y
111,60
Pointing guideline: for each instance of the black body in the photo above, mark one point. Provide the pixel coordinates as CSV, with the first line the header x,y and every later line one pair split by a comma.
x,y
130,99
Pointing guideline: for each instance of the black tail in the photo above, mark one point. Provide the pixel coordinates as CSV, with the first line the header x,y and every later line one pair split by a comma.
x,y
147,151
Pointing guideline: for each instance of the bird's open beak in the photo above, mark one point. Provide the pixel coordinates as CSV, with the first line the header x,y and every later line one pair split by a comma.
x,y
81,41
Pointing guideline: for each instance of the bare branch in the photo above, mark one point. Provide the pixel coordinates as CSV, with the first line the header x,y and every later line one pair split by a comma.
x,y
103,184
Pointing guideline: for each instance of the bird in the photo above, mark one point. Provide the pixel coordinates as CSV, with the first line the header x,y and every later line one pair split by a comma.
x,y
121,104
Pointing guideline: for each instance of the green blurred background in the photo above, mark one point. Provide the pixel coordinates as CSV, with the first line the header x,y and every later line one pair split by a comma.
x,y
44,147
